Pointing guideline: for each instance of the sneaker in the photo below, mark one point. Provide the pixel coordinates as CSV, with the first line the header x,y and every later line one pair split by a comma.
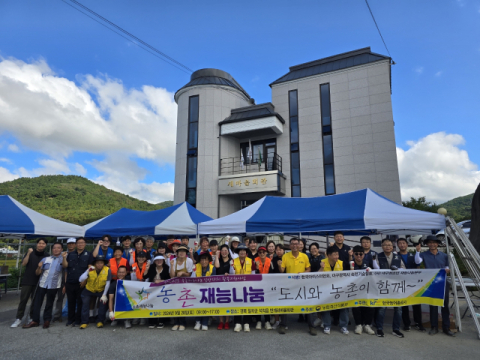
x,y
246,328
227,326
204,327
181,328
160,326
312,331
220,326
268,326
433,331
276,325
406,328
317,322
175,328
368,329
259,325
237,328
99,324
197,326
398,333
344,331
448,332
419,327
128,324
281,330
16,323
152,326
358,329
326,330
143,322
83,326
113,323
380,333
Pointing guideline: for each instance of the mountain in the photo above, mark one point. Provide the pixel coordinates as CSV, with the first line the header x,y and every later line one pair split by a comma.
x,y
74,199
459,208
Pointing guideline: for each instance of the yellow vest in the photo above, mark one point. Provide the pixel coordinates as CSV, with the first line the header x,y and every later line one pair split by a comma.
x,y
96,282
246,269
198,270
338,265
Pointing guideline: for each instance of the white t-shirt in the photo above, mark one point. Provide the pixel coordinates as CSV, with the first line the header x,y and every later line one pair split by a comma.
x,y
188,262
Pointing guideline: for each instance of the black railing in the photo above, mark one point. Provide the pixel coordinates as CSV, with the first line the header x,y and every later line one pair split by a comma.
x,y
234,165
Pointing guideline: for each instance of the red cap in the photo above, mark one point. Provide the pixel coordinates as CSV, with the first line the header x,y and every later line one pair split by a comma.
x,y
262,248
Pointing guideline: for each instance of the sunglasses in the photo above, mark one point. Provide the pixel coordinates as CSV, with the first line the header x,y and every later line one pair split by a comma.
x,y
358,254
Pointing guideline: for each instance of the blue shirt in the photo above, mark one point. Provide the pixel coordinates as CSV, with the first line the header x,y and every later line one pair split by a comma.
x,y
439,261
109,253
54,272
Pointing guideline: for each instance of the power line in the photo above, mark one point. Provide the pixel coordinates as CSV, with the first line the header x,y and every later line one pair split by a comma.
x,y
373,17
130,37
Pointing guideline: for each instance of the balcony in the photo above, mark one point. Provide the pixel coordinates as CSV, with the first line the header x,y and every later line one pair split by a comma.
x,y
237,177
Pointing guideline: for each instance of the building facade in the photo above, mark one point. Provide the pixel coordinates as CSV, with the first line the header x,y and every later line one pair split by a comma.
x,y
329,129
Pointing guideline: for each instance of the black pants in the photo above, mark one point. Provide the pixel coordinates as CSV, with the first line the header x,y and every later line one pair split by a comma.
x,y
57,313
240,319
308,317
363,315
417,315
25,294
445,311
37,306
74,297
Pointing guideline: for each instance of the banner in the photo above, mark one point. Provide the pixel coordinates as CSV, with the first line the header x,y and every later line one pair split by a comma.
x,y
278,293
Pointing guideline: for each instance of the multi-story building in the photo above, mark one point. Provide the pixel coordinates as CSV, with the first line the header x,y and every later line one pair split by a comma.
x,y
329,129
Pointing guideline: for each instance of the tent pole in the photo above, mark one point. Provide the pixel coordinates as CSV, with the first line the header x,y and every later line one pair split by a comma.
x,y
20,270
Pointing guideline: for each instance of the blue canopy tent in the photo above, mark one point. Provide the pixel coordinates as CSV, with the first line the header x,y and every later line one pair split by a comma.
x,y
357,212
181,219
17,219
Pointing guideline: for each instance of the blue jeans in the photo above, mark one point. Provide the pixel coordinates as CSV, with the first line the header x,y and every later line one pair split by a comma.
x,y
327,319
181,321
102,309
397,318
203,320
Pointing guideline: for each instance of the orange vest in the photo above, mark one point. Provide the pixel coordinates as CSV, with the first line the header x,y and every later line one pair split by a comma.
x,y
114,267
139,272
265,268
134,254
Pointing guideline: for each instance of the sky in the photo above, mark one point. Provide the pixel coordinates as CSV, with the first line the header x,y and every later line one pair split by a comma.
x,y
76,98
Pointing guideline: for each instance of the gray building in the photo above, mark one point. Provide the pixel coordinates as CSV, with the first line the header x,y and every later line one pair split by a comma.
x,y
329,129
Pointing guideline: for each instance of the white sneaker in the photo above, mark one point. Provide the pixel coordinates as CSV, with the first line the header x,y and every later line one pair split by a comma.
x,y
368,329
246,328
317,322
237,328
268,326
175,328
358,329
276,325
151,326
259,325
344,331
181,328
326,330
204,327
113,323
197,326
128,324
143,322
16,323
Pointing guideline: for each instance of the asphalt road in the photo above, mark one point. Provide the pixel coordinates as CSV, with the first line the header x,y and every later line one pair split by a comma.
x,y
140,342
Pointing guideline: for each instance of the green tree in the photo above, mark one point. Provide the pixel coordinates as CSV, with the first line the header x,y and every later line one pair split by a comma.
x,y
421,203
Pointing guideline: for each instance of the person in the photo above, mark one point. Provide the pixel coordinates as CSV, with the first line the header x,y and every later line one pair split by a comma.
x,y
369,255
57,313
76,263
387,260
302,246
434,259
138,245
140,267
246,241
279,252
233,245
252,248
270,249
185,241
295,262
363,315
149,246
50,271
174,245
117,261
30,279
243,265
315,256
170,239
157,273
204,244
112,291
224,266
103,248
181,266
161,250
263,266
97,277
127,250
213,249
203,268
333,263
409,261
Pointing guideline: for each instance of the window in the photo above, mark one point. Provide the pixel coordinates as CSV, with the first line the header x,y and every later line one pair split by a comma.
x,y
328,167
191,188
263,151
294,143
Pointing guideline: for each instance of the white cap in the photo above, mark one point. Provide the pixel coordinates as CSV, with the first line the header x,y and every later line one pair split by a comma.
x,y
71,240
159,257
235,238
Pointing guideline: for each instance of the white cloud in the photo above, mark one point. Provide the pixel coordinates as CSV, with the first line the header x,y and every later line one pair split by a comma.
x,y
6,175
436,167
5,160
438,73
80,170
13,148
419,70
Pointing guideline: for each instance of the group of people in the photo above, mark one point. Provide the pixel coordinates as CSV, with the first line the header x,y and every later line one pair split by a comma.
x,y
89,279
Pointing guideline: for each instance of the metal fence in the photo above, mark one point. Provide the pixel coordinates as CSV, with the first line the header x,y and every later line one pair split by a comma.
x,y
234,165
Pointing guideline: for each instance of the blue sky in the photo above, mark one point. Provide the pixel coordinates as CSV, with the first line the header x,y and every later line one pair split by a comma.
x,y
435,44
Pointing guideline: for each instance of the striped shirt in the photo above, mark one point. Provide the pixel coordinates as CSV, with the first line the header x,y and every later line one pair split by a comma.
x,y
51,277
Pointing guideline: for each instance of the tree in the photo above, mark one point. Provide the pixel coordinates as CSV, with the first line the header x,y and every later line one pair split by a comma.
x,y
421,203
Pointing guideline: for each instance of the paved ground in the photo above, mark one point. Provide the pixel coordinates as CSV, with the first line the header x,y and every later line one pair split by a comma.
x,y
141,342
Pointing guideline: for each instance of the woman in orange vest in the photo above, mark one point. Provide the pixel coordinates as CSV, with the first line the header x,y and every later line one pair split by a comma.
x,y
118,261
264,266
139,273
138,245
